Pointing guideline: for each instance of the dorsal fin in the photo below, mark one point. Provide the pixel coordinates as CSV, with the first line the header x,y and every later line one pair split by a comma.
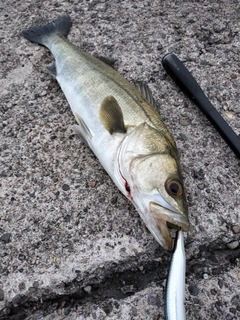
x,y
111,116
143,88
109,61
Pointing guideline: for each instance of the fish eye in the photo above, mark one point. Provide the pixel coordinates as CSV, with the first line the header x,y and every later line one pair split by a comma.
x,y
174,187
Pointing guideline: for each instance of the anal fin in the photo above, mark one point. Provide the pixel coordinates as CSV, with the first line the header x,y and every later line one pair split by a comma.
x,y
52,69
81,129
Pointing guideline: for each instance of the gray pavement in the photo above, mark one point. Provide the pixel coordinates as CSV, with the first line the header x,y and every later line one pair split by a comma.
x,y
71,246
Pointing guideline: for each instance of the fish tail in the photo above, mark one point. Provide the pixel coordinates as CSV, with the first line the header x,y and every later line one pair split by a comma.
x,y
41,34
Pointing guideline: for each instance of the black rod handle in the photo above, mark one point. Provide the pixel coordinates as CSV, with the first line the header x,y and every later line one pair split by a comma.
x,y
184,79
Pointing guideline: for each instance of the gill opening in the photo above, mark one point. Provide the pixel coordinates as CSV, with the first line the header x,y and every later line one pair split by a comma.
x,y
126,185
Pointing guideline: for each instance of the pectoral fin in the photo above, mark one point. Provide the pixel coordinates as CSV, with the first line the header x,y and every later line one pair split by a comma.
x,y
81,129
111,115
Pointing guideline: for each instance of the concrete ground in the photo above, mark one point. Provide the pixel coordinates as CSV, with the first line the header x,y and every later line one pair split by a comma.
x,y
71,246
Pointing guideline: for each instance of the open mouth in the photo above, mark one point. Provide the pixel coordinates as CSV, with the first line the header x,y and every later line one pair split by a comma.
x,y
168,222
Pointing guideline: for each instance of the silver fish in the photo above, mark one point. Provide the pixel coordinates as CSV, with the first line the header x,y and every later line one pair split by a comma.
x,y
118,121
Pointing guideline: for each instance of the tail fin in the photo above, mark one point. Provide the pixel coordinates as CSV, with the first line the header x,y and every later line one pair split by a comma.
x,y
40,34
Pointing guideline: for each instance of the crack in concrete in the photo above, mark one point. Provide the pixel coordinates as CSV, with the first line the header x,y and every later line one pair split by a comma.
x,y
119,285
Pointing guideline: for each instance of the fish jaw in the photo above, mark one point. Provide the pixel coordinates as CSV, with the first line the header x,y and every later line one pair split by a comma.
x,y
160,219
164,218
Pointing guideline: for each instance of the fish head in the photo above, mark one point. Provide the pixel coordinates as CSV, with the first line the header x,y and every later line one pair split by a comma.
x,y
157,191
158,194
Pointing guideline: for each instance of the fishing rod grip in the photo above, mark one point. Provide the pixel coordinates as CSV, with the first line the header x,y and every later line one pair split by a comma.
x,y
186,82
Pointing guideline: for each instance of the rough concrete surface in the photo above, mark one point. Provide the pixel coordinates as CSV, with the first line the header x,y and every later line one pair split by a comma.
x,y
71,246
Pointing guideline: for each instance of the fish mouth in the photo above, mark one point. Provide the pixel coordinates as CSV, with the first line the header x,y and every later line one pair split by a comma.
x,y
168,221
